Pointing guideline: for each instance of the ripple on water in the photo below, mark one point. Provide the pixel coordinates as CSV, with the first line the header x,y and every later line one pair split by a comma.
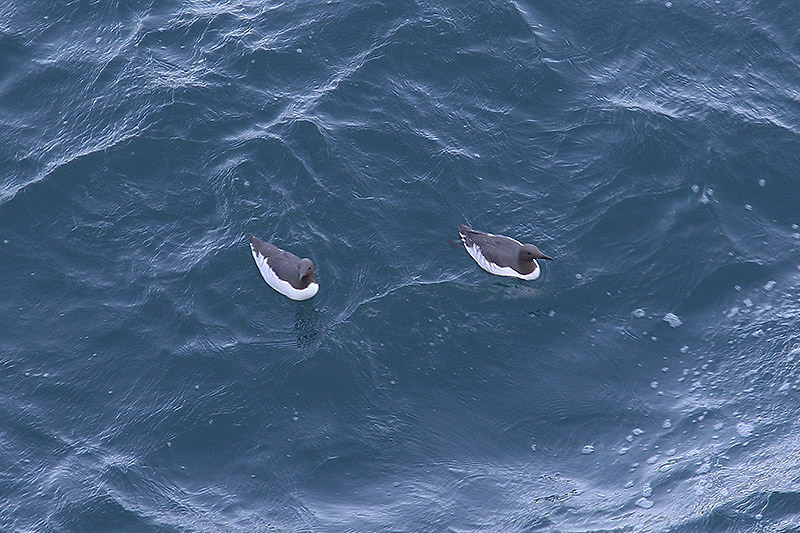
x,y
144,355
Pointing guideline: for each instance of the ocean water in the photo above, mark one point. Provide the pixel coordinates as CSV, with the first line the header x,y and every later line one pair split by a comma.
x,y
151,381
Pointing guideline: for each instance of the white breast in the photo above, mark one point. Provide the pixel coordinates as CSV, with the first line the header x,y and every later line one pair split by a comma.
x,y
283,287
493,268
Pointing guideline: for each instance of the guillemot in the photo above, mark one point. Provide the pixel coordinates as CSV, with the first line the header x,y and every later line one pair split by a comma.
x,y
501,255
283,271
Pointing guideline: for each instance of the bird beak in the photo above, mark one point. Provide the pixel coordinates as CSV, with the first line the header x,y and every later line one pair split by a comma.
x,y
548,258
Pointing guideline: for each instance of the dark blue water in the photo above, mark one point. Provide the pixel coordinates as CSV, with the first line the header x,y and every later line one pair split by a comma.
x,y
151,381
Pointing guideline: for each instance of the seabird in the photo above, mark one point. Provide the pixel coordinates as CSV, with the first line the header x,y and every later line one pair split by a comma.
x,y
502,255
283,271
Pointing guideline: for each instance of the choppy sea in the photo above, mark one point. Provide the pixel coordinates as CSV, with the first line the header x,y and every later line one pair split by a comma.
x,y
151,381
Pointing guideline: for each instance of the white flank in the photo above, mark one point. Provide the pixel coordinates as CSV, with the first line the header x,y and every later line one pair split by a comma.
x,y
493,268
283,287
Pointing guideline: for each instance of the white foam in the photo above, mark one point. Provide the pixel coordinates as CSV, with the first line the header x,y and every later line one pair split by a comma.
x,y
644,503
672,319
744,429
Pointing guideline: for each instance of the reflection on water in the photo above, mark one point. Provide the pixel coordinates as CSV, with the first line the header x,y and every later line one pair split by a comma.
x,y
306,324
